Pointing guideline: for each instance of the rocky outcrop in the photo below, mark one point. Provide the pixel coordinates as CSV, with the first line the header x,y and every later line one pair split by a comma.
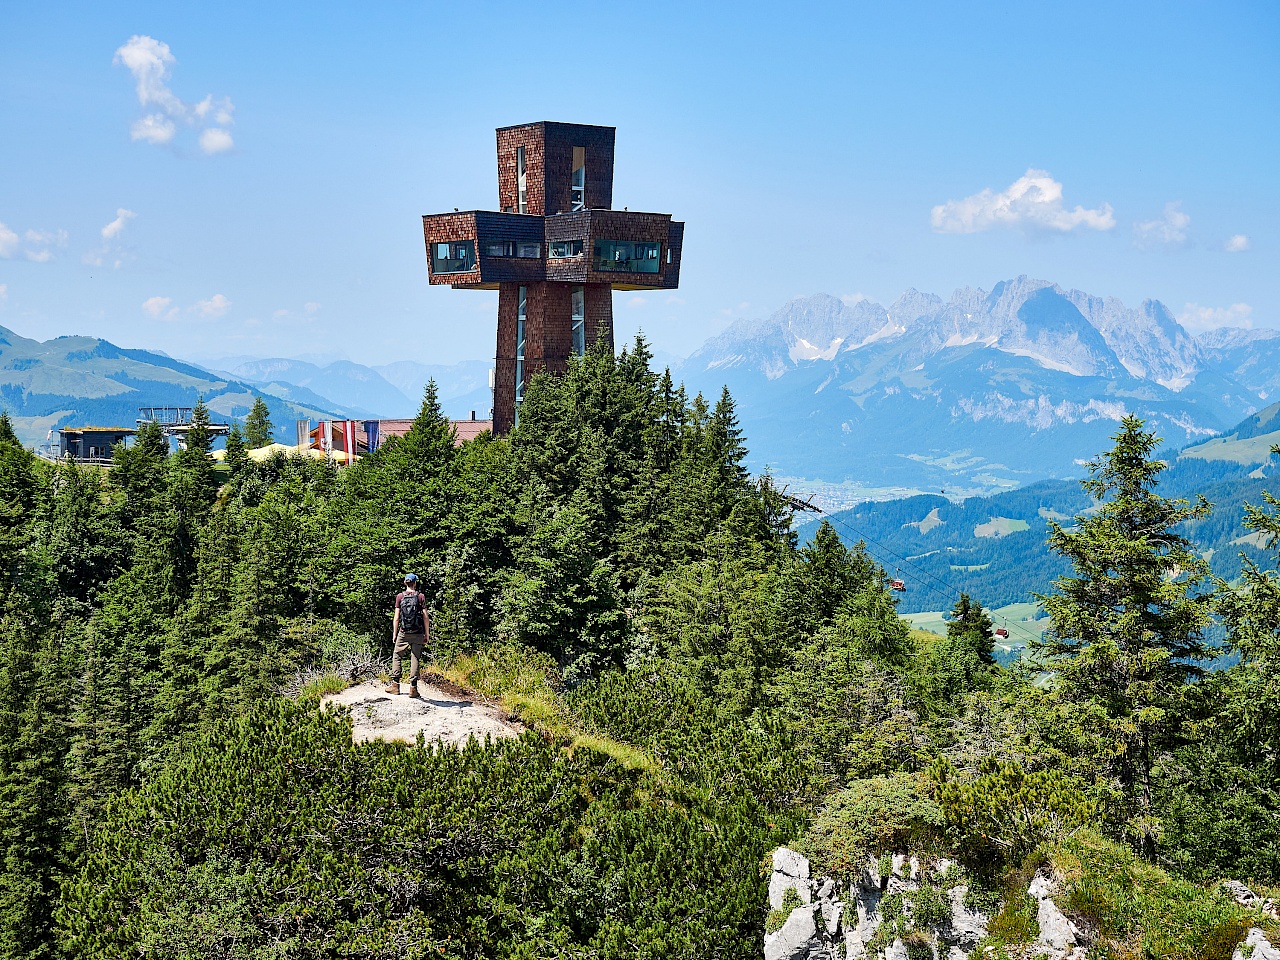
x,y
843,920
1256,946
831,920
1059,938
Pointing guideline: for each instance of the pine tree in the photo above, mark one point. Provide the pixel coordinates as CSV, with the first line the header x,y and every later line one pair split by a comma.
x,y
199,438
237,455
970,623
1127,630
258,429
6,429
33,809
138,473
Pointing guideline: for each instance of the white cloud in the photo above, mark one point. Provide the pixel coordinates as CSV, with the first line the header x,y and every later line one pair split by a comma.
x,y
311,308
110,241
39,244
112,229
849,299
159,307
1197,318
1170,229
4,293
153,128
1238,243
635,302
216,140
215,306
8,243
1033,201
151,63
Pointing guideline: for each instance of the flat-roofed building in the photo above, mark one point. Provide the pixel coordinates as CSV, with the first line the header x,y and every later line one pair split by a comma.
x,y
91,443
555,252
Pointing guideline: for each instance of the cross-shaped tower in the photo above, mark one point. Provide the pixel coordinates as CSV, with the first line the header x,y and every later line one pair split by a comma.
x,y
554,253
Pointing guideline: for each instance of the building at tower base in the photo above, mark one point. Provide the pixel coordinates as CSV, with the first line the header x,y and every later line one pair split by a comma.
x,y
555,252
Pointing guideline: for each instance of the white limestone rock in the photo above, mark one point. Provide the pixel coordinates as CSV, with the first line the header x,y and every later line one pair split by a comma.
x,y
1256,946
1058,936
1247,898
790,872
796,940
786,860
966,926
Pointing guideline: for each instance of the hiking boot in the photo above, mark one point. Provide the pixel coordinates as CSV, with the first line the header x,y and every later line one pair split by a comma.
x,y
413,691
394,688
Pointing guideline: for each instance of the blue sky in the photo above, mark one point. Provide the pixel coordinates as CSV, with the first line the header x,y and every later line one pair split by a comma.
x,y
270,205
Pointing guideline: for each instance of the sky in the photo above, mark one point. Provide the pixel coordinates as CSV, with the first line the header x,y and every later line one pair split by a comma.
x,y
247,179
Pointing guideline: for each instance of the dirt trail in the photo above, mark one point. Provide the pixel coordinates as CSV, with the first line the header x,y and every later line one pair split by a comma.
x,y
448,715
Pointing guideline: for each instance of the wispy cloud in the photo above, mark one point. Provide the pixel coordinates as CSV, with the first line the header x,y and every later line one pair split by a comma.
x,y
151,63
1197,318
1237,243
215,306
9,243
110,249
113,229
1032,202
1167,230
4,293
39,245
161,308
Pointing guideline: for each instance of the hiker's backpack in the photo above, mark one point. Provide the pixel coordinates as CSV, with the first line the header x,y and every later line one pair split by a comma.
x,y
411,617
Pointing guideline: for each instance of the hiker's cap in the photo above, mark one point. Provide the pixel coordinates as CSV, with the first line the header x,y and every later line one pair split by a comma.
x,y
410,578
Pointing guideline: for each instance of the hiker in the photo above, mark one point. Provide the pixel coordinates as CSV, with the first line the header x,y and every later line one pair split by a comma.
x,y
410,629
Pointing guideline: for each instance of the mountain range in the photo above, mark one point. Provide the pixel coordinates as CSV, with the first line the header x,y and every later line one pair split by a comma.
x,y
83,381
388,390
988,390
983,391
994,547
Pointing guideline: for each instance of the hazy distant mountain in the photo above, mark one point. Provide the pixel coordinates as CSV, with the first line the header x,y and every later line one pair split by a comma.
x,y
86,381
462,387
986,389
361,390
1251,357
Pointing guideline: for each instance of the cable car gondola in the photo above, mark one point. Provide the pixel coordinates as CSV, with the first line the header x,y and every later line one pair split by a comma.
x,y
899,585
1002,633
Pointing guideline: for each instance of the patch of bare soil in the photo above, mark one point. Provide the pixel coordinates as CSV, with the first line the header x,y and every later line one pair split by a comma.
x,y
445,713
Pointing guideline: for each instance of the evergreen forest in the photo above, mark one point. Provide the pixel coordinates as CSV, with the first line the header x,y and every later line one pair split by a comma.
x,y
698,687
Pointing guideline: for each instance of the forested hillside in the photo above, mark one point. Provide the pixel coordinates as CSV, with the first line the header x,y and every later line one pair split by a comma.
x,y
699,689
994,547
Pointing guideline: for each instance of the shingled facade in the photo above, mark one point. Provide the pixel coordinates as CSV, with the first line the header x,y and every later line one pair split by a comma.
x,y
554,253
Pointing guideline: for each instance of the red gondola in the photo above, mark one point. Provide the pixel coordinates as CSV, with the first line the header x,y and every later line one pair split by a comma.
x,y
1002,633
898,585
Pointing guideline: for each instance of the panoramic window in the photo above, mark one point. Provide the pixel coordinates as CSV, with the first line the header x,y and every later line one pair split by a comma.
x,y
578,185
625,256
521,182
522,313
513,248
454,256
578,311
564,248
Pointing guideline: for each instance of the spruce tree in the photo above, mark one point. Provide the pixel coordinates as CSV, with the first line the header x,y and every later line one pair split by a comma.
x,y
971,624
237,455
1127,629
33,750
258,429
6,429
